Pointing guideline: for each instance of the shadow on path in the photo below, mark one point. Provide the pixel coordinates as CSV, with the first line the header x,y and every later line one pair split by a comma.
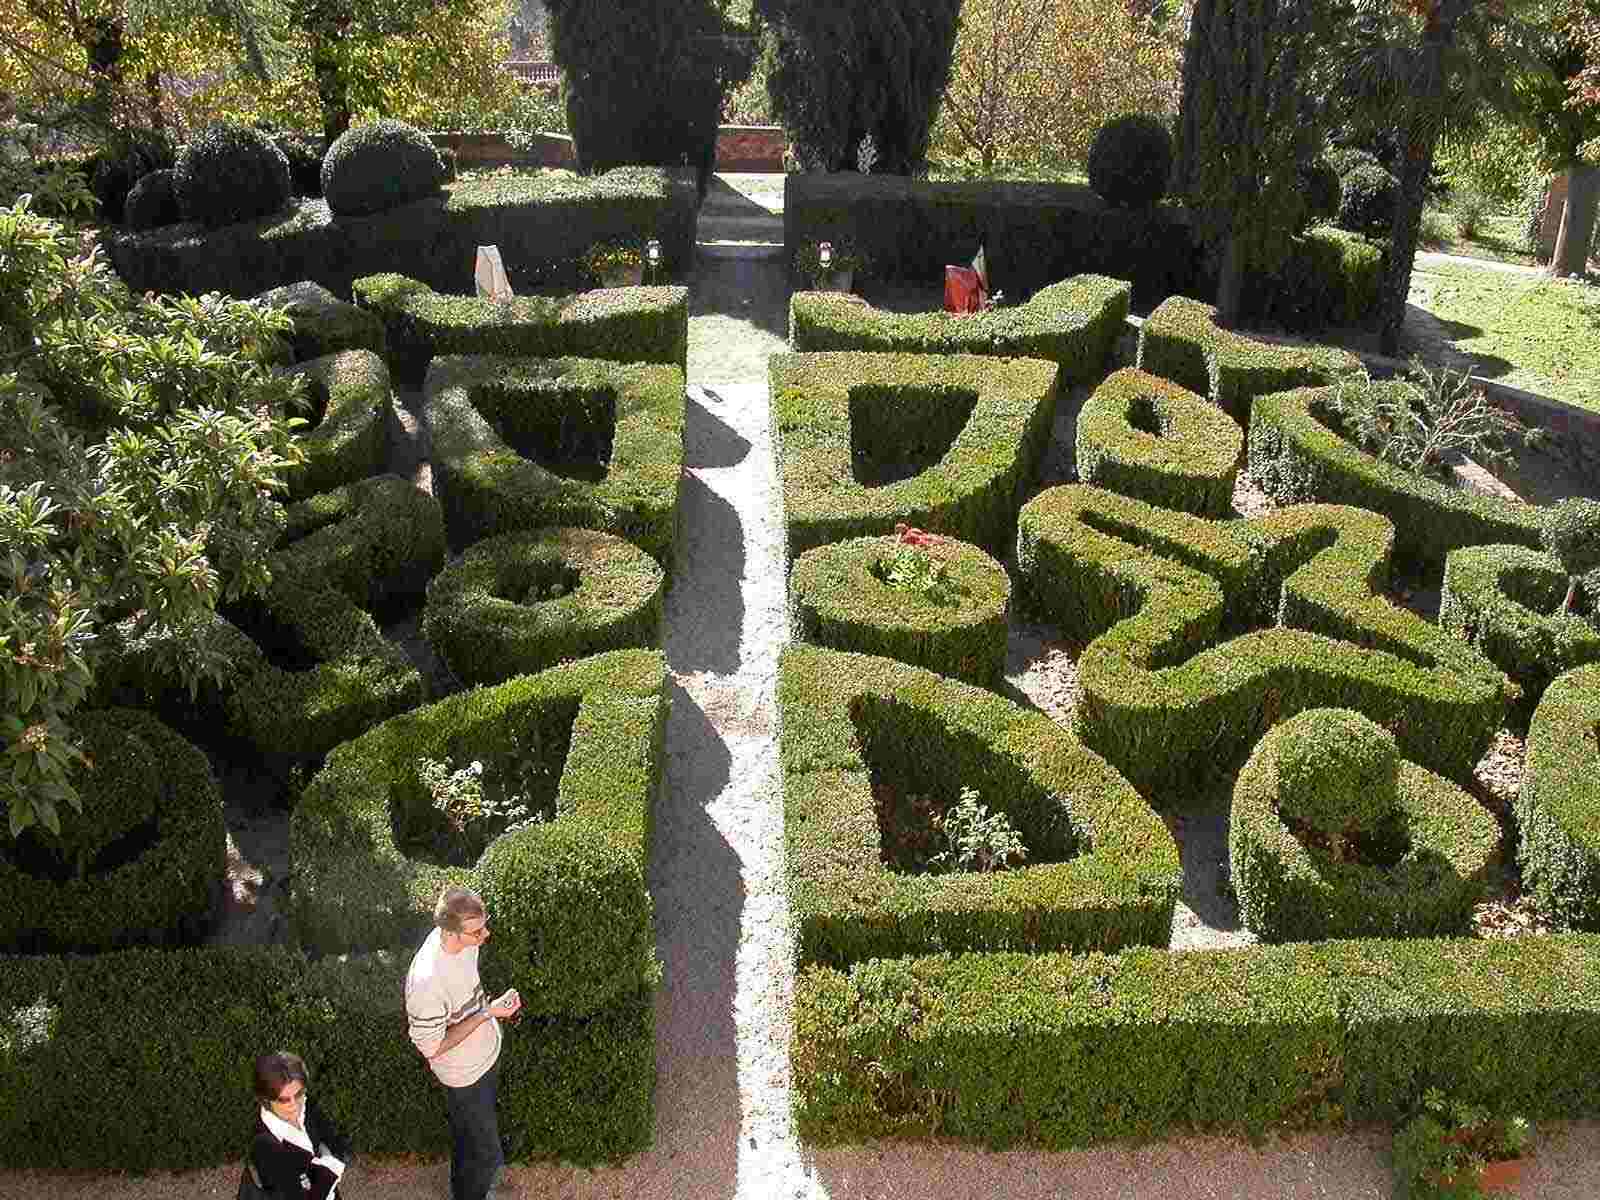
x,y
705,609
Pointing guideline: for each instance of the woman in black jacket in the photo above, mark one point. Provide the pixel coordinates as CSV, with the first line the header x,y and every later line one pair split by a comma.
x,y
296,1152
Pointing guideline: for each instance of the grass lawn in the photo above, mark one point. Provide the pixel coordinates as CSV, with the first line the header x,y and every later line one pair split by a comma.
x,y
1528,331
1499,236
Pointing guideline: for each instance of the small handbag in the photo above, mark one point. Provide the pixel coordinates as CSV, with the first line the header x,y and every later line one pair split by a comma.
x,y
250,1184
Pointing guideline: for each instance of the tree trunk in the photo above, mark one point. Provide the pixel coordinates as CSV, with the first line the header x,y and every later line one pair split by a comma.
x,y
1230,284
1188,112
1577,223
1409,201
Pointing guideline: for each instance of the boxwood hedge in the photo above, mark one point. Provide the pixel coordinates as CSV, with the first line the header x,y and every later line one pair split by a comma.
x,y
323,323
843,421
624,422
1444,842
1295,455
1558,808
1507,601
1202,635
347,439
359,879
840,596
629,324
79,1035
139,863
1181,341
1064,1051
1145,436
1109,874
520,602
1073,324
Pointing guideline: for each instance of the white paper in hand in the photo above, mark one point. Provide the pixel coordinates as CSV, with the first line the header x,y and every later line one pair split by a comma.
x,y
490,275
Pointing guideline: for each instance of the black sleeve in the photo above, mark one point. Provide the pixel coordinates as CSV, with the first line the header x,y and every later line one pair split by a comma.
x,y
281,1167
323,1130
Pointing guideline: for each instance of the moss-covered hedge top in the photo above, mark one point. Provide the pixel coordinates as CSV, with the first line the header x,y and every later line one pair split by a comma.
x,y
1110,873
1204,634
1073,324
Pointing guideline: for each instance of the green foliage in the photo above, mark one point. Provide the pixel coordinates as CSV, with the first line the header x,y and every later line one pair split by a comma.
x,y
153,202
843,256
305,153
230,173
162,517
1103,871
1337,771
1329,277
1367,198
139,862
843,595
842,70
1439,1154
1130,160
59,189
1572,534
612,432
969,429
520,602
478,809
1320,189
1145,436
978,840
321,324
1558,807
378,166
345,438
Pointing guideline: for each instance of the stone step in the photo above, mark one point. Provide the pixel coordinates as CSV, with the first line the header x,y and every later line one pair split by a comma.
x,y
752,224
726,249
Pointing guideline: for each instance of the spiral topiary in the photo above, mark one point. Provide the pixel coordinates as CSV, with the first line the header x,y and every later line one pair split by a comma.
x,y
376,167
1336,771
231,173
153,202
1130,161
1320,189
1367,196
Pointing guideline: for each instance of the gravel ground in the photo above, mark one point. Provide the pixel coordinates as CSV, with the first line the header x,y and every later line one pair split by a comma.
x,y
723,1092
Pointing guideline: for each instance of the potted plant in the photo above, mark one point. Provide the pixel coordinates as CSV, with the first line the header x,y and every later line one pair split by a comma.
x,y
1458,1151
829,266
615,264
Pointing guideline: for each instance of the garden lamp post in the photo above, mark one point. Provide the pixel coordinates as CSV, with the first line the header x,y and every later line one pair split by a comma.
x,y
825,255
652,255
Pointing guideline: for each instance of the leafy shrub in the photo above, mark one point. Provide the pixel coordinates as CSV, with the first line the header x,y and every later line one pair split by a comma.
x,y
1572,533
113,170
1320,189
344,439
322,324
1469,206
231,173
153,202
304,152
1558,806
1367,197
1336,771
1130,161
378,166
978,840
1344,159
1440,1153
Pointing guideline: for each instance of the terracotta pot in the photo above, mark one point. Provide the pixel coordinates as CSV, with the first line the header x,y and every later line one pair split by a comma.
x,y
622,277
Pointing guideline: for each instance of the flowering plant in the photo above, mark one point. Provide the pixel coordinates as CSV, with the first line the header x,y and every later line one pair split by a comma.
x,y
604,257
911,568
845,257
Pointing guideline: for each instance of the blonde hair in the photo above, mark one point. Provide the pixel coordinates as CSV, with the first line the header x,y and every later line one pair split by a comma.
x,y
456,904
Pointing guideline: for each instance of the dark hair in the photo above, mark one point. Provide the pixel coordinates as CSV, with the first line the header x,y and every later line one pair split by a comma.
x,y
275,1070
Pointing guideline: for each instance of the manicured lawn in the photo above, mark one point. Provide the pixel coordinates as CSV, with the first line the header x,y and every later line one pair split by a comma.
x,y
1528,331
1498,237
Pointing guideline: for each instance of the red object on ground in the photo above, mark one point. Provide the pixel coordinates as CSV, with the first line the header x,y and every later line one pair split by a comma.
x,y
963,290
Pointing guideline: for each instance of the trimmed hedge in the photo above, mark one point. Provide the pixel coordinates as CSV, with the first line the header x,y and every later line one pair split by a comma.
x,y
381,165
1558,808
473,405
1181,341
1202,635
543,221
230,173
348,435
634,324
1290,892
1294,455
322,671
148,784
596,727
1074,323
1115,877
153,201
1061,1052
78,1036
324,324
839,598
520,602
1147,437
1330,277
1506,601
835,412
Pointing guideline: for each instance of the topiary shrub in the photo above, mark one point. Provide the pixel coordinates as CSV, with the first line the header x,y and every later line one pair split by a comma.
x,y
1336,771
1367,196
113,171
1558,805
304,152
1572,533
1320,188
1130,161
375,167
231,173
153,202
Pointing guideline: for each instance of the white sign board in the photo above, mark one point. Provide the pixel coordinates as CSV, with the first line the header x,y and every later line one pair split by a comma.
x,y
490,275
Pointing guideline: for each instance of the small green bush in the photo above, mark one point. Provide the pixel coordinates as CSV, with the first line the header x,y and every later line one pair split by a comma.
x,y
1319,188
153,202
1337,771
1130,161
602,447
346,439
1148,437
520,602
228,174
150,788
305,153
1329,277
1558,807
1572,534
1367,196
378,166
839,596
324,324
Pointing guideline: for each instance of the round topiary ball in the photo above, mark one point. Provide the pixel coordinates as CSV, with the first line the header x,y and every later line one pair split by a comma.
x,y
1367,196
153,202
1337,771
1572,533
1319,188
1130,161
231,173
376,167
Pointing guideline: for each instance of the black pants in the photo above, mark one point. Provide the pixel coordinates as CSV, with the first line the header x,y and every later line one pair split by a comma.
x,y
475,1131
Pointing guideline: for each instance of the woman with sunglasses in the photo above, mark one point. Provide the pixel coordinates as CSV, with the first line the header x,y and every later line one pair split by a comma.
x,y
296,1152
